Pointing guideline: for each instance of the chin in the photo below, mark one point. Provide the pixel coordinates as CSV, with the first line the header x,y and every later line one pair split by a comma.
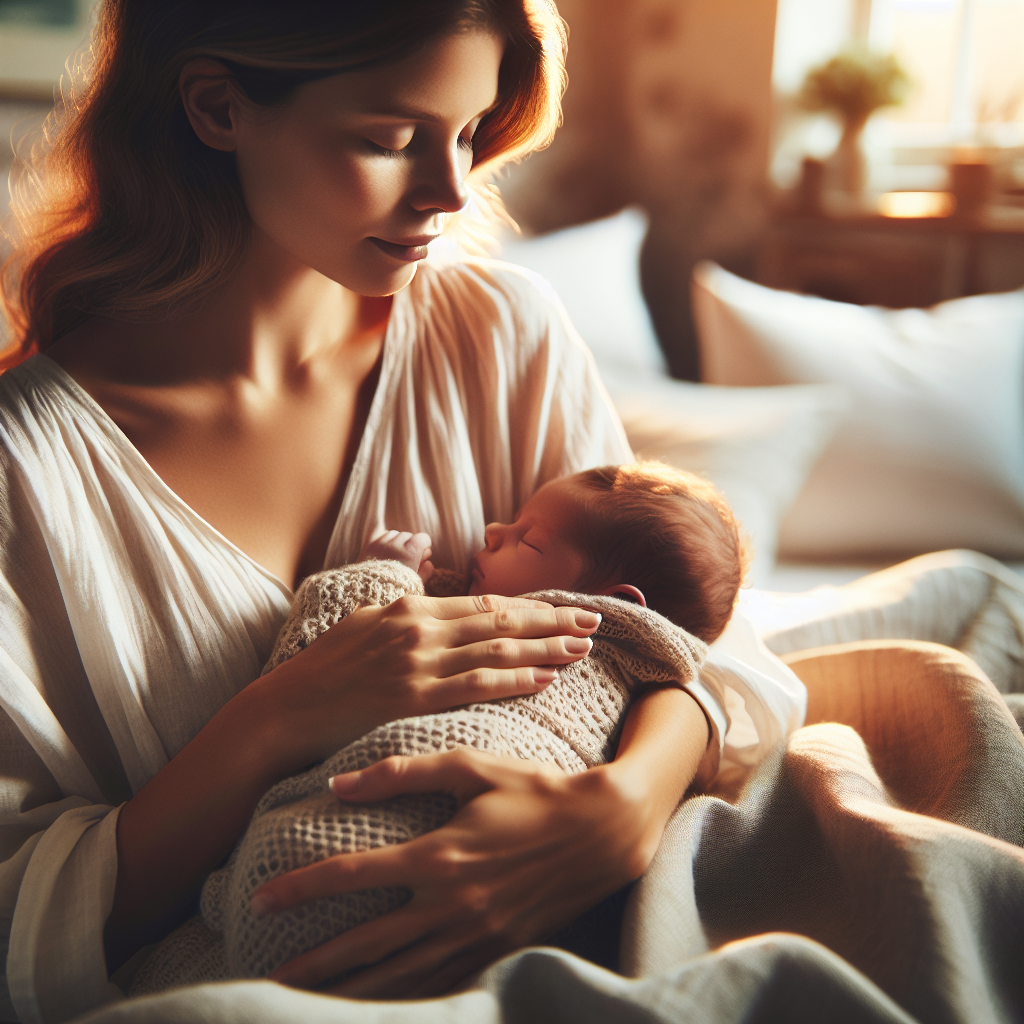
x,y
374,286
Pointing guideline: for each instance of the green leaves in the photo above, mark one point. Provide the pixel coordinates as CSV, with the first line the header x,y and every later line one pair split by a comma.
x,y
854,84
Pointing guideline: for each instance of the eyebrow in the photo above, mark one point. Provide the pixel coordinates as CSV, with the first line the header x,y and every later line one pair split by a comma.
x,y
403,114
415,114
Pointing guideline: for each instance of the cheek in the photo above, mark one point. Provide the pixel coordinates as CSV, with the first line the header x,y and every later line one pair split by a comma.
x,y
501,572
319,203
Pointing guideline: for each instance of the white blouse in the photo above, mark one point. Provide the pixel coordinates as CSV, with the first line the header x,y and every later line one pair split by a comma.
x,y
127,621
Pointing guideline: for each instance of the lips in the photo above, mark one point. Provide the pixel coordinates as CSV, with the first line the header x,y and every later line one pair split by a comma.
x,y
475,571
408,250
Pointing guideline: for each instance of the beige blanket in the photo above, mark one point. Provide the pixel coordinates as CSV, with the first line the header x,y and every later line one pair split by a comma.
x,y
871,870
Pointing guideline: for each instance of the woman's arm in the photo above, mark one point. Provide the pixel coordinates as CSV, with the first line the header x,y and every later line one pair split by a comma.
x,y
417,656
530,850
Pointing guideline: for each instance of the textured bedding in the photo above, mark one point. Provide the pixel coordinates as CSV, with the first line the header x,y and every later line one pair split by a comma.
x,y
871,869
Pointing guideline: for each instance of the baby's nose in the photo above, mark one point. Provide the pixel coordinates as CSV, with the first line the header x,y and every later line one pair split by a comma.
x,y
493,534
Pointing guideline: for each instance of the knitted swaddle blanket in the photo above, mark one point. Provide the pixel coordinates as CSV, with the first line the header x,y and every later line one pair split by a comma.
x,y
573,723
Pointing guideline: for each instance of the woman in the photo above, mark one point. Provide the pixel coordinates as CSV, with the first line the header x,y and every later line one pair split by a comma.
x,y
243,374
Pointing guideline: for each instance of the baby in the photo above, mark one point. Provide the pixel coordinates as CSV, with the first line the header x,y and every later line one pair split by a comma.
x,y
648,533
655,551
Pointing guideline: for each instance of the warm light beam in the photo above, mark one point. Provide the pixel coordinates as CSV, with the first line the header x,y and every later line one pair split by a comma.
x,y
916,204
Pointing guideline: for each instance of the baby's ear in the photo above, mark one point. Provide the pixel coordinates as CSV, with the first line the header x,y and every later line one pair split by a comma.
x,y
626,592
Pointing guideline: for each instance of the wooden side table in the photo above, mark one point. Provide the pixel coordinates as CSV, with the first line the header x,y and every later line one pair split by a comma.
x,y
897,262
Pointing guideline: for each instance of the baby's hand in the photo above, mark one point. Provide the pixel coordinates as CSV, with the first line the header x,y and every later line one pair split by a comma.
x,y
411,549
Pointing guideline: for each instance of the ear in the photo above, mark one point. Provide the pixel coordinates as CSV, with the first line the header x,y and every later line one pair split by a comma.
x,y
626,592
207,91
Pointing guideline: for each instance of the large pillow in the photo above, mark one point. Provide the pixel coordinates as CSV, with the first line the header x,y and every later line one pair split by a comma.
x,y
756,444
931,452
595,270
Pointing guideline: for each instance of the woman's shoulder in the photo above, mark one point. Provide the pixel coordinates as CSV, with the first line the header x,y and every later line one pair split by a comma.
x,y
481,280
22,391
41,408
32,389
503,303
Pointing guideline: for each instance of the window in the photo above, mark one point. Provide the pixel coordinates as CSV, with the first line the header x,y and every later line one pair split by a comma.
x,y
966,62
63,13
966,59
36,37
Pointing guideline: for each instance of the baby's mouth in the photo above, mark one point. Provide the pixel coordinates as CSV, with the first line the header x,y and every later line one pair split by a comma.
x,y
475,571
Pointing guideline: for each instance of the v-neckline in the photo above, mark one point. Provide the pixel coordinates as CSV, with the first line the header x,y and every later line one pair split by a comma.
x,y
173,499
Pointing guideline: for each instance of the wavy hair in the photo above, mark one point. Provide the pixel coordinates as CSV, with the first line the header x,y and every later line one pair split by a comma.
x,y
669,533
120,210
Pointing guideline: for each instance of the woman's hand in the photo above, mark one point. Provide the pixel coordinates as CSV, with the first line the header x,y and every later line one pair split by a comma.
x,y
418,656
529,850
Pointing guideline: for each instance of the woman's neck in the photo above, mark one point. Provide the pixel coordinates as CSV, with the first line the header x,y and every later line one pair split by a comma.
x,y
267,322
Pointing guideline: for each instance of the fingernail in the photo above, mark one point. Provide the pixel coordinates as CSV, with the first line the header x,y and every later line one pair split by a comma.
x,y
347,783
588,620
262,903
578,644
544,676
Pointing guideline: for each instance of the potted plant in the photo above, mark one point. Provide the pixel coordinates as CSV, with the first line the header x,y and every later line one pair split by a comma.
x,y
852,86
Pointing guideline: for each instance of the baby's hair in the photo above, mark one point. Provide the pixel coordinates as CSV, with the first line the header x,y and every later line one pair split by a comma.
x,y
669,533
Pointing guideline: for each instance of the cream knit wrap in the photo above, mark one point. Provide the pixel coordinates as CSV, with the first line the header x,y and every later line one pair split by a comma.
x,y
573,723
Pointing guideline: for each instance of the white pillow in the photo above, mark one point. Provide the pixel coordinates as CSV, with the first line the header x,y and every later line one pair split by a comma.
x,y
756,445
931,453
595,270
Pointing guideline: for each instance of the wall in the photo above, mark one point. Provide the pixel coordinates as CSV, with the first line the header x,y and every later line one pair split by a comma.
x,y
669,106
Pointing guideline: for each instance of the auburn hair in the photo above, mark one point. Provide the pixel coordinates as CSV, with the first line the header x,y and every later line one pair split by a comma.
x,y
670,534
120,210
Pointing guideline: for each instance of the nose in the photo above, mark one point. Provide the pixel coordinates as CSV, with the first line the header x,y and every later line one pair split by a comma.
x,y
494,535
442,185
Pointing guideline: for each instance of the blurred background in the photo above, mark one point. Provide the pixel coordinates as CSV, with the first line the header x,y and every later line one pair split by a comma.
x,y
870,151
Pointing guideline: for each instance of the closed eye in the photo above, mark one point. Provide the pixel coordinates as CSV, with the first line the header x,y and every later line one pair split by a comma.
x,y
534,546
383,150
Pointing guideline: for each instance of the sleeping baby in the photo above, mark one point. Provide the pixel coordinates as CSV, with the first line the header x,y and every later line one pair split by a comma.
x,y
656,552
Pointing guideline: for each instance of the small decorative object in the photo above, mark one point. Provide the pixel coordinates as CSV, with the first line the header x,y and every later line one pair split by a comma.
x,y
971,181
852,86
810,192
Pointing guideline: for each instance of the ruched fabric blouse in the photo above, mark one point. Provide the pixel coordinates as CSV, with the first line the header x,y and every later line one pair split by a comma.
x,y
127,621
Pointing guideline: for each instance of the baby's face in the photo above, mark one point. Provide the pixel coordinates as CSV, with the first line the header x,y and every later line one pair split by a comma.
x,y
534,552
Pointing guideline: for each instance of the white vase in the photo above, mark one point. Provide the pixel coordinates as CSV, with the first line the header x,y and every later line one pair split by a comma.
x,y
849,168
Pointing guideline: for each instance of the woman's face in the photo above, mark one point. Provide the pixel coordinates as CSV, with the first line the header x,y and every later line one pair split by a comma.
x,y
353,176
